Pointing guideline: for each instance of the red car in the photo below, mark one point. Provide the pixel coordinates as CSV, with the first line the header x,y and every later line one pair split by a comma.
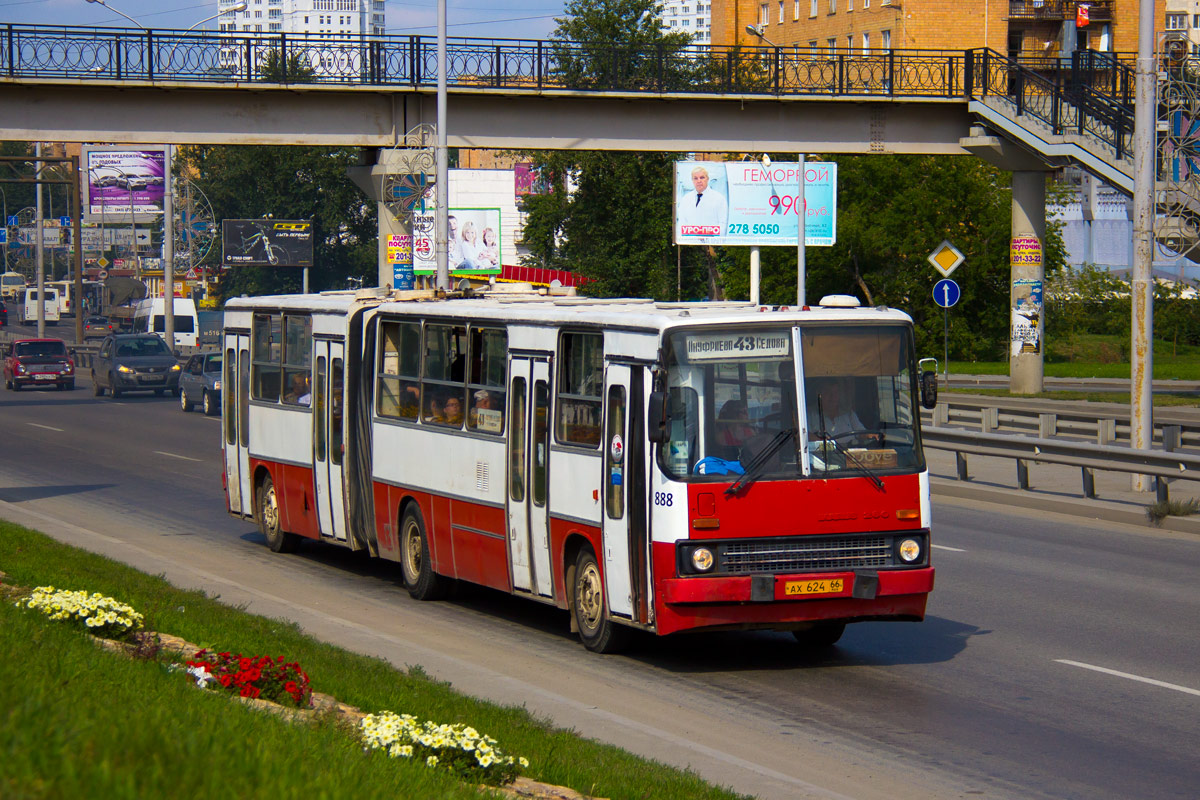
x,y
38,362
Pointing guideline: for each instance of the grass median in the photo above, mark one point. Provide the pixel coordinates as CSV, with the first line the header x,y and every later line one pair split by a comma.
x,y
81,721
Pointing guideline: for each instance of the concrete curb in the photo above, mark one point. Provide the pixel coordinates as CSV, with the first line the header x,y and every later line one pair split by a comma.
x,y
1077,507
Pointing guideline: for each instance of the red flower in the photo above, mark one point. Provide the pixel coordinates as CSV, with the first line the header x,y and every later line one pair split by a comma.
x,y
226,680
250,691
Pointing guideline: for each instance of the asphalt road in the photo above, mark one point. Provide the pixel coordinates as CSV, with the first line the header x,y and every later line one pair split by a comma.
x,y
1060,658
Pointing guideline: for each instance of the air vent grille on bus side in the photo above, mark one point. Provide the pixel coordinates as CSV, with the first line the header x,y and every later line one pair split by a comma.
x,y
482,480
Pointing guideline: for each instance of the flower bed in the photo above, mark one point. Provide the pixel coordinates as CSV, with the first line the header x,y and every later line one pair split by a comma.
x,y
461,748
256,677
94,613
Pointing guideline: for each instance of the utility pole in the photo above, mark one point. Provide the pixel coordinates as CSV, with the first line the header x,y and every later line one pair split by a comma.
x,y
1141,400
38,233
442,189
168,251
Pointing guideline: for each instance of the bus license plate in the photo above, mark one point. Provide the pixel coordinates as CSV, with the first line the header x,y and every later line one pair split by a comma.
x,y
829,586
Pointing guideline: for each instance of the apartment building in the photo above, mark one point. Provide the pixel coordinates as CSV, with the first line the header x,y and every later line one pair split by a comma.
x,y
332,18
693,17
1026,28
1183,18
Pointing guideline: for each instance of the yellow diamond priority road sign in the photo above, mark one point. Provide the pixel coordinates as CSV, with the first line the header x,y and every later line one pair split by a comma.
x,y
946,258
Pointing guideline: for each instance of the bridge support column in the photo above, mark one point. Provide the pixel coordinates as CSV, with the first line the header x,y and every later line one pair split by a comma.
x,y
394,200
1027,327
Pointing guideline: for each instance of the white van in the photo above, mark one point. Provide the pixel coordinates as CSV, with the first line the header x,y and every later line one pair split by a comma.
x,y
66,293
28,306
11,286
149,317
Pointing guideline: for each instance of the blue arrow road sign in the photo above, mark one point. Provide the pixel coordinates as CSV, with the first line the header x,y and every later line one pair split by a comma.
x,y
946,293
3,235
12,220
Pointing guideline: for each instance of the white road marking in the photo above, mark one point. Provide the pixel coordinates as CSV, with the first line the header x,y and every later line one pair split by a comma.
x,y
181,458
46,427
1128,676
951,549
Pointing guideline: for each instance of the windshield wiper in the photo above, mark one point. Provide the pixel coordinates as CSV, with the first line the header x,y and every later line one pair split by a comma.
x,y
758,464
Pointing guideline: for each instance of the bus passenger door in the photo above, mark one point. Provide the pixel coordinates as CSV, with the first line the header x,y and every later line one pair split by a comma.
x,y
617,479
327,438
519,370
235,406
529,474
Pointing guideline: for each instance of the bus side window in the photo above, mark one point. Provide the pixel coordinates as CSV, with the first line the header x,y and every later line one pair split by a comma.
x,y
580,378
297,360
443,375
399,369
268,352
485,392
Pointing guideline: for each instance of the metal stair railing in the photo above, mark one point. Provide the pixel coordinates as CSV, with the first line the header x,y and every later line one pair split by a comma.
x,y
1091,93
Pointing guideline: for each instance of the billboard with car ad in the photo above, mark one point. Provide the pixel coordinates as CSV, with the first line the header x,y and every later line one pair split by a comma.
x,y
123,178
266,243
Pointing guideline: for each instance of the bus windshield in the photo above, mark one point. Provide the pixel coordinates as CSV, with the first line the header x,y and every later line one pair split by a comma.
x,y
734,402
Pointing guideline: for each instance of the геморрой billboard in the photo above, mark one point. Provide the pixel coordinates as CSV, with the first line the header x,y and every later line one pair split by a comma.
x,y
266,243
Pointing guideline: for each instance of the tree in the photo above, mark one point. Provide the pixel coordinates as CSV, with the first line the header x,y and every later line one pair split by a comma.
x,y
619,44
290,183
614,227
293,69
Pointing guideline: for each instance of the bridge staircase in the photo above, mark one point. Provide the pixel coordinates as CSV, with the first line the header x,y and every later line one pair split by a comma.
x,y
1078,111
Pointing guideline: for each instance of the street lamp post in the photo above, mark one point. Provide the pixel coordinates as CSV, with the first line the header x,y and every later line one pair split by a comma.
x,y
101,2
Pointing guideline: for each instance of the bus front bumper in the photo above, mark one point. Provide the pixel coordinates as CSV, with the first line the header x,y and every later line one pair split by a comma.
x,y
779,601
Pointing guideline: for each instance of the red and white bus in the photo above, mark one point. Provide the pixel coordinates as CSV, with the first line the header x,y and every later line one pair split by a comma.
x,y
644,465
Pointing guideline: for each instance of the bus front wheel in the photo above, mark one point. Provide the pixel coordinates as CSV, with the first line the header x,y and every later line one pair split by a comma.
x,y
269,522
422,582
597,632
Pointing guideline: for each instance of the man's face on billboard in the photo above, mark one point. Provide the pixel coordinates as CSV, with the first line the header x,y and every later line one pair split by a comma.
x,y
700,180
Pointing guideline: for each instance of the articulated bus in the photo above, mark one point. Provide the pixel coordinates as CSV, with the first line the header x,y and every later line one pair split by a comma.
x,y
663,467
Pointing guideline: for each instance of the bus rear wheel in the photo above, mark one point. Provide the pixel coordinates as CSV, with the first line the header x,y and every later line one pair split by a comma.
x,y
269,522
422,582
597,632
821,634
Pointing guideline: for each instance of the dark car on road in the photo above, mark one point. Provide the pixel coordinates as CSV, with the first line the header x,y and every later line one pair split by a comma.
x,y
97,328
200,382
135,362
38,362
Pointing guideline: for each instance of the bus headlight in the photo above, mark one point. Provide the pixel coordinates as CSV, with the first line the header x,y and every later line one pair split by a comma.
x,y
702,559
909,550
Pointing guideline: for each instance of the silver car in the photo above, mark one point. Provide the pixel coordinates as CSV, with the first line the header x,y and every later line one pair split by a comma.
x,y
200,382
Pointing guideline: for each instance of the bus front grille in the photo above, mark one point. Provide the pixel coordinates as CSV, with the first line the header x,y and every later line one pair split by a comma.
x,y
805,555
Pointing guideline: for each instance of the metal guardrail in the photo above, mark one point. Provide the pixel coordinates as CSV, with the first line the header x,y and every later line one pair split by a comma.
x,y
1102,427
1162,464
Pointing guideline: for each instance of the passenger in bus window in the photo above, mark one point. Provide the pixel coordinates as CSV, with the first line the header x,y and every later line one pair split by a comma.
x,y
298,391
452,411
835,410
433,409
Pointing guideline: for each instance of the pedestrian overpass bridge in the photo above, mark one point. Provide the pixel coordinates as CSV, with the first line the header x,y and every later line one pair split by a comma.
x,y
144,86
125,86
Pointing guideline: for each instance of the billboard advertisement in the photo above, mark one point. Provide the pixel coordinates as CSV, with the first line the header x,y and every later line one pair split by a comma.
x,y
747,203
473,241
123,178
266,243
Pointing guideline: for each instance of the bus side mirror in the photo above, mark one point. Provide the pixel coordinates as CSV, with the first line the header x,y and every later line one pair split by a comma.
x,y
656,420
929,389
